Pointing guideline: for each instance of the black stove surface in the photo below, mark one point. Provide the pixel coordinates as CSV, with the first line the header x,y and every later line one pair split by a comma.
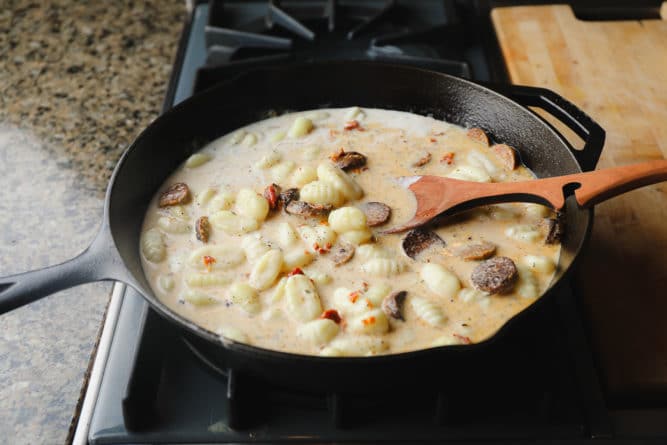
x,y
539,387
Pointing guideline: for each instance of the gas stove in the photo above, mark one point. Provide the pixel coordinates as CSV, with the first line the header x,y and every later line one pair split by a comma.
x,y
148,386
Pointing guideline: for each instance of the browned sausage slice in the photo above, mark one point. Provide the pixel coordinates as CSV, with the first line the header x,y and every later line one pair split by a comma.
x,y
376,213
555,230
418,240
288,196
348,160
477,251
496,275
392,305
477,134
508,155
302,208
341,253
203,229
178,193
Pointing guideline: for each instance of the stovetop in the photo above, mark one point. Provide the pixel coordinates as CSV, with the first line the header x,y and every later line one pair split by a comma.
x,y
148,387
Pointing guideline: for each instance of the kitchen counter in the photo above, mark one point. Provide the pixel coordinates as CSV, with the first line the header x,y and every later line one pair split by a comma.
x,y
78,83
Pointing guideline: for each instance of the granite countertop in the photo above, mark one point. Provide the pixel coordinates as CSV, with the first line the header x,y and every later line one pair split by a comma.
x,y
78,81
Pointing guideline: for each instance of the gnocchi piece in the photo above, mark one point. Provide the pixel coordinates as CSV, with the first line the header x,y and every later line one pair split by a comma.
x,y
251,204
537,210
469,173
311,152
357,237
238,136
178,212
232,333
254,247
354,347
439,280
173,225
446,340
539,263
319,277
277,136
333,175
470,294
303,303
304,175
523,232
385,267
233,224
281,171
207,279
376,293
354,113
249,139
205,196
428,311
300,127
223,201
244,296
198,298
317,237
197,159
366,252
296,257
166,282
503,212
153,246
478,159
279,290
373,322
266,270
318,332
224,257
273,314
318,192
346,219
527,286
269,160
287,236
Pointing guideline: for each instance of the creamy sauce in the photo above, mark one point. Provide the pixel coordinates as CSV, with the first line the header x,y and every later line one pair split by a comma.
x,y
263,153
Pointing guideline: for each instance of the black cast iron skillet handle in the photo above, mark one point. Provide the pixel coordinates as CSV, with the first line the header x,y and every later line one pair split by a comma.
x,y
100,261
566,112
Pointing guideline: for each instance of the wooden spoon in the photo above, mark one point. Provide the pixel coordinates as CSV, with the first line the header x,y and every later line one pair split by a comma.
x,y
444,196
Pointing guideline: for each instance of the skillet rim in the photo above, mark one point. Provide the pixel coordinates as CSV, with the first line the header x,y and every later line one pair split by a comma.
x,y
192,328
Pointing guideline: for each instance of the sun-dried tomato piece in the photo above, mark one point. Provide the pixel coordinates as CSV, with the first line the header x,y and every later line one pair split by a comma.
x,y
203,229
178,193
351,125
332,314
208,262
464,339
272,195
448,158
295,271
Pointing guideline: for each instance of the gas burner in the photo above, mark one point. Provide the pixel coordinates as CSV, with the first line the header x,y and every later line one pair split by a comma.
x,y
425,34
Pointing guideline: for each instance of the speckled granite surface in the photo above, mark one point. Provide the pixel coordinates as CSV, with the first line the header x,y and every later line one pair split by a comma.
x,y
78,81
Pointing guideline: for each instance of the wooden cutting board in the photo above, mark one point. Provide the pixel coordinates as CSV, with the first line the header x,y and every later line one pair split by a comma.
x,y
617,73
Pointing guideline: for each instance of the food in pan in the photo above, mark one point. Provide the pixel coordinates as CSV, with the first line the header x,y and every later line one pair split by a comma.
x,y
272,236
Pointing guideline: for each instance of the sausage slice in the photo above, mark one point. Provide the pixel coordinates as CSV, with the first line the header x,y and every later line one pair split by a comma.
x,y
376,213
478,251
288,196
418,240
477,134
392,305
555,230
203,229
348,160
496,276
176,194
507,154
307,209
341,253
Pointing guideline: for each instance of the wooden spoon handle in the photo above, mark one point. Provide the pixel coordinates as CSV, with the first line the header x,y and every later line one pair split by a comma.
x,y
601,185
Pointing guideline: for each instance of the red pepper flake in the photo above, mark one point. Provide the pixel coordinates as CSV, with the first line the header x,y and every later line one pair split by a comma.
x,y
369,320
448,158
271,194
369,305
324,222
332,133
465,340
354,296
295,271
433,140
351,125
364,286
331,314
208,261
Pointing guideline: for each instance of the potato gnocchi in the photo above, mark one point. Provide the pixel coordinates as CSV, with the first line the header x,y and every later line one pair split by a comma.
x,y
295,259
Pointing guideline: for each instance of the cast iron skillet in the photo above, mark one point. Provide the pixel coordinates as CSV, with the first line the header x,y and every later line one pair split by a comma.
x,y
170,139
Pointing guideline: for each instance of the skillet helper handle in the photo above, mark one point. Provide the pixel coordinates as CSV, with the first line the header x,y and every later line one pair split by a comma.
x,y
605,184
566,112
97,262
